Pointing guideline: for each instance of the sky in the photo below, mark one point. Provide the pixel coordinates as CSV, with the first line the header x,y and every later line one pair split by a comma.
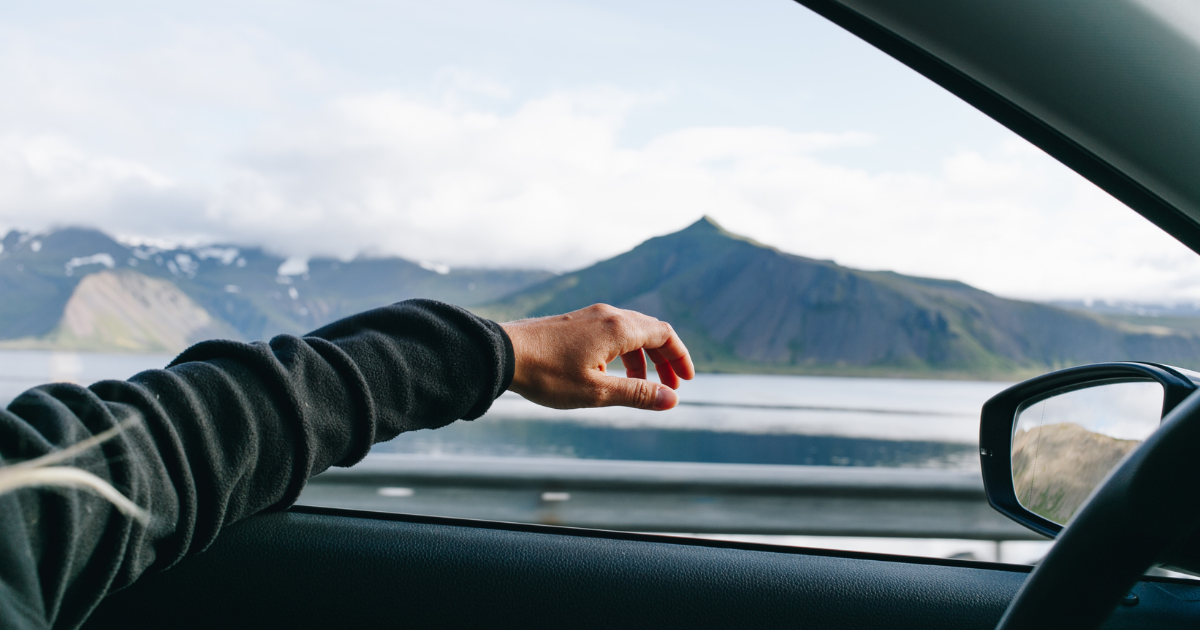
x,y
1126,411
538,133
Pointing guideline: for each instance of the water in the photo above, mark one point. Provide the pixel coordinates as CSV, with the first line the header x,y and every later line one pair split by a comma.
x,y
735,418
730,418
22,369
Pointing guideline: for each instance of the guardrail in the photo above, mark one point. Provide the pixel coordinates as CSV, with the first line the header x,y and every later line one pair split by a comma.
x,y
673,497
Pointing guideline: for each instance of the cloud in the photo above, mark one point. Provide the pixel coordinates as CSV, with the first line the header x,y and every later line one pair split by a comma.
x,y
50,175
548,183
459,143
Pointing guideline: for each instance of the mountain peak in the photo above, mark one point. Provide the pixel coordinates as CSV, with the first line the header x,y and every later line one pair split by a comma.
x,y
705,223
706,228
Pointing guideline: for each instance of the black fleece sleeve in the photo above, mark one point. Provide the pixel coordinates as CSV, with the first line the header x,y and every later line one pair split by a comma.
x,y
227,430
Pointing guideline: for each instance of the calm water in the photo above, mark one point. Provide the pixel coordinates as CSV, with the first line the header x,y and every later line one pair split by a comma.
x,y
22,369
722,418
729,418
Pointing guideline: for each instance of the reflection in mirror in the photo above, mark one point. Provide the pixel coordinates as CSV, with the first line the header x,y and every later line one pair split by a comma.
x,y
1065,444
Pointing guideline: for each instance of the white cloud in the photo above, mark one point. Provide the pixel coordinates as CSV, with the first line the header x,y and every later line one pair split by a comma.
x,y
48,179
549,184
444,133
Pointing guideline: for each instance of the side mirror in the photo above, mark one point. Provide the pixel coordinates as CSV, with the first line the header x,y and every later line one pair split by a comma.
x,y
1047,443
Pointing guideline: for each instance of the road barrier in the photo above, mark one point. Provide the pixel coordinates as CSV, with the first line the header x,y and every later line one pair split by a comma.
x,y
673,497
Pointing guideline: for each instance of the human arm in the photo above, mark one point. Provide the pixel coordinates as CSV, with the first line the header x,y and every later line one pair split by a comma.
x,y
228,430
232,429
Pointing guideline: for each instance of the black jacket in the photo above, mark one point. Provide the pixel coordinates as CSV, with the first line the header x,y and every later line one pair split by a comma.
x,y
227,430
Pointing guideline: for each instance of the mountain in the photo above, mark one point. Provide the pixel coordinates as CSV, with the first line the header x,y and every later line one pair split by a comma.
x,y
744,307
79,288
1178,316
740,306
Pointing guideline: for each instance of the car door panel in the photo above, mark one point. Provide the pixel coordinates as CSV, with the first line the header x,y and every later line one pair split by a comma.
x,y
336,568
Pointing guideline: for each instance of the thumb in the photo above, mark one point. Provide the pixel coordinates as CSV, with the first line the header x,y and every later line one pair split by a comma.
x,y
638,393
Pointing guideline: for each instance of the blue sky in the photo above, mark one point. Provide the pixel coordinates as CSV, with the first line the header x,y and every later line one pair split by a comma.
x,y
538,133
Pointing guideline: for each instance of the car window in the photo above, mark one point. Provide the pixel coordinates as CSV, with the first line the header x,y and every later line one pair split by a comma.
x,y
856,258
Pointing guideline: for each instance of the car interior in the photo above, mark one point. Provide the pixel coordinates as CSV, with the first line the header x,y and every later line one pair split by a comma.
x,y
1108,89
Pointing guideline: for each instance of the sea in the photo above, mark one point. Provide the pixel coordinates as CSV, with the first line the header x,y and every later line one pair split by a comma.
x,y
722,418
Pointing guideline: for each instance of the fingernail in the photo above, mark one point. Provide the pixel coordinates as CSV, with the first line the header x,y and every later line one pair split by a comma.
x,y
664,399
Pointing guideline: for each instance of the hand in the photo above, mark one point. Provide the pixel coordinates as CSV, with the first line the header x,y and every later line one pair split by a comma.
x,y
561,360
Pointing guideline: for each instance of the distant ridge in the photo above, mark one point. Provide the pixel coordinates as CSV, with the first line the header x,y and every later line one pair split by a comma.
x,y
744,307
740,305
78,288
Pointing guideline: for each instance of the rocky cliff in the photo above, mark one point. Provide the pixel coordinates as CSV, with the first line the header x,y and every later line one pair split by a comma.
x,y
130,311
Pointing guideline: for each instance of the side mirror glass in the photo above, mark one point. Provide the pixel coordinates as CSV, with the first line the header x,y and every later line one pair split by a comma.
x,y
1047,443
1067,442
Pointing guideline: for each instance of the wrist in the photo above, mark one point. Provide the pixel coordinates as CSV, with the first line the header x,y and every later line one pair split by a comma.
x,y
516,347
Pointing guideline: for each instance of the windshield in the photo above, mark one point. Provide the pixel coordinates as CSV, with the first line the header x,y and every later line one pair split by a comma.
x,y
856,259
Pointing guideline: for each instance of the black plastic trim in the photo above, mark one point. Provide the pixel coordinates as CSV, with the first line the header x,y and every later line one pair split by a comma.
x,y
999,415
363,570
583,532
1017,119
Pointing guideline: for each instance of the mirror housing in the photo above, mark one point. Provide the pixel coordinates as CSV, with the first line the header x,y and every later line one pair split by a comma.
x,y
999,419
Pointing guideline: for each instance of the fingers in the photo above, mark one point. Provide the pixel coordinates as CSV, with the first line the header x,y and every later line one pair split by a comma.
x,y
635,392
666,373
556,359
664,347
635,364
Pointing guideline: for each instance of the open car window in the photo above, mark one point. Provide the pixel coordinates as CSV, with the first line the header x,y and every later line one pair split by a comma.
x,y
857,259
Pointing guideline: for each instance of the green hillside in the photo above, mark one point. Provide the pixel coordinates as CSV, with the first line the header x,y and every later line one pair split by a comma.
x,y
745,307
1056,467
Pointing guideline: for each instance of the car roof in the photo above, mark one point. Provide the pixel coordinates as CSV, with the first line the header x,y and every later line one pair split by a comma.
x,y
1111,88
